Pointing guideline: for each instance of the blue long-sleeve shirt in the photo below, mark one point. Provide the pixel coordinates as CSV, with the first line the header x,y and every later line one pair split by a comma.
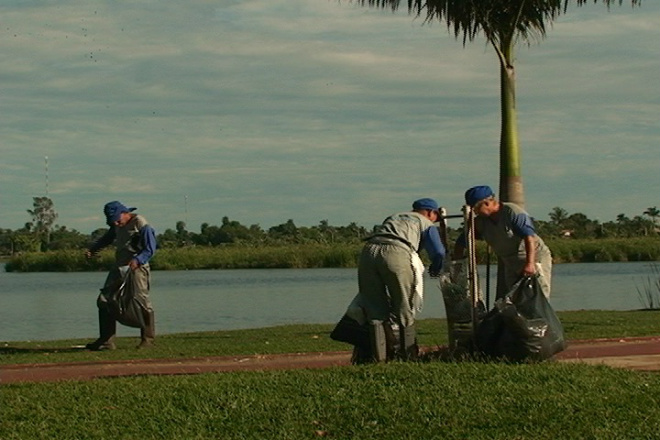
x,y
432,243
148,237
142,252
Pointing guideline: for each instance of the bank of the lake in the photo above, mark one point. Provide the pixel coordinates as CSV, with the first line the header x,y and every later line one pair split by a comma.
x,y
314,255
303,338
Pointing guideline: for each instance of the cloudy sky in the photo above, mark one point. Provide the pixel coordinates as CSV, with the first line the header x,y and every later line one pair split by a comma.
x,y
269,110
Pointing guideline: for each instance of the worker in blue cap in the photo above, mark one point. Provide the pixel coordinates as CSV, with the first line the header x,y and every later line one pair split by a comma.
x,y
390,274
135,245
509,230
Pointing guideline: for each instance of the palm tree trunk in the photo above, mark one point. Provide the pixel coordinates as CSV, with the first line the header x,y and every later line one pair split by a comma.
x,y
511,186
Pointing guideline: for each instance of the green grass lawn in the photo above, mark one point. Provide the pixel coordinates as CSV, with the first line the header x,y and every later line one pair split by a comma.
x,y
302,338
435,400
392,401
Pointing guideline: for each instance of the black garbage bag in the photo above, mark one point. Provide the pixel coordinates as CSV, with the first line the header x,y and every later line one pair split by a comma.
x,y
521,326
352,332
355,329
123,304
459,308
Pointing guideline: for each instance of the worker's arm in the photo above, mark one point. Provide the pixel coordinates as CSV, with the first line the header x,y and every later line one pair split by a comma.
x,y
148,239
530,255
523,227
105,241
435,249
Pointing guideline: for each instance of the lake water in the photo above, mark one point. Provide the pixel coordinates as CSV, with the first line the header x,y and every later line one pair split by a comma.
x,y
47,306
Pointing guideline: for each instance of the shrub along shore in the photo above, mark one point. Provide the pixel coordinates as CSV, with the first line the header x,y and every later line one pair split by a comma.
x,y
313,255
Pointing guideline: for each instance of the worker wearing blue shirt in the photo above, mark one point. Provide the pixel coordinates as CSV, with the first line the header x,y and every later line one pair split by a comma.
x,y
390,272
135,243
509,231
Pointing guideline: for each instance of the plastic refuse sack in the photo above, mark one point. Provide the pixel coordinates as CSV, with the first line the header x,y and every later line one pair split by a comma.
x,y
521,326
352,328
355,329
124,306
459,307
350,331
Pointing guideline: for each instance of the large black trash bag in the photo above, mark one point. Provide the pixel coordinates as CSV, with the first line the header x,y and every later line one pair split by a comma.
x,y
352,332
521,326
124,306
355,329
459,308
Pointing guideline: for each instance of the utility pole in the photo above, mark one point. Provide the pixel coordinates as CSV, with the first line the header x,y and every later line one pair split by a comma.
x,y
46,173
185,202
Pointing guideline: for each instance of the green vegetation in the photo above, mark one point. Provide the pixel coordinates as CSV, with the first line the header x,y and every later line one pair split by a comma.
x,y
41,235
40,246
315,255
649,292
393,401
388,401
605,250
584,324
189,258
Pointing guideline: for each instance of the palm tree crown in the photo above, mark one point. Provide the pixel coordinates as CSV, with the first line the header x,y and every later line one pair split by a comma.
x,y
503,23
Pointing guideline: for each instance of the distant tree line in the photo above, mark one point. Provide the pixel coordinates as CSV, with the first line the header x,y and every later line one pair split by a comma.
x,y
42,234
578,225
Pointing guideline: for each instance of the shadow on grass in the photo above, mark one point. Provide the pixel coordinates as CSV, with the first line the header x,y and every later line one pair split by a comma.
x,y
445,354
37,350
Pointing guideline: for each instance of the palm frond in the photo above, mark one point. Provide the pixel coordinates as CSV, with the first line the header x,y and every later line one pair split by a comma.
x,y
501,21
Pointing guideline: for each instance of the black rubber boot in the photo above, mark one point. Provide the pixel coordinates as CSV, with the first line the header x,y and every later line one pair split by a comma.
x,y
107,330
361,355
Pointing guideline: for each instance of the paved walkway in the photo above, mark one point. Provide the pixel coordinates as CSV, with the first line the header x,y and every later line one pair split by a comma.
x,y
632,353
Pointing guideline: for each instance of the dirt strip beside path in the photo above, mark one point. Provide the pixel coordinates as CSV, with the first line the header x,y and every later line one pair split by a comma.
x,y
633,353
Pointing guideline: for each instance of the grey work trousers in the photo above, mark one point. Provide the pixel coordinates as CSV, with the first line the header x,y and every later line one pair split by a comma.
x,y
386,282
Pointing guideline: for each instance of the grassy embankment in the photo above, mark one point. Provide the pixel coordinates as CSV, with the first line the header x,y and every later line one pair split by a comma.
x,y
583,324
393,401
316,256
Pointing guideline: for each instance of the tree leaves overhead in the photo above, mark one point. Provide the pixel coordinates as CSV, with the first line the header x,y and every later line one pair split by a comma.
x,y
501,21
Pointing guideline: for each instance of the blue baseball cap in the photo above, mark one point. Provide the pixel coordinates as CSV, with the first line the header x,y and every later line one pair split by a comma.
x,y
113,211
425,203
476,194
